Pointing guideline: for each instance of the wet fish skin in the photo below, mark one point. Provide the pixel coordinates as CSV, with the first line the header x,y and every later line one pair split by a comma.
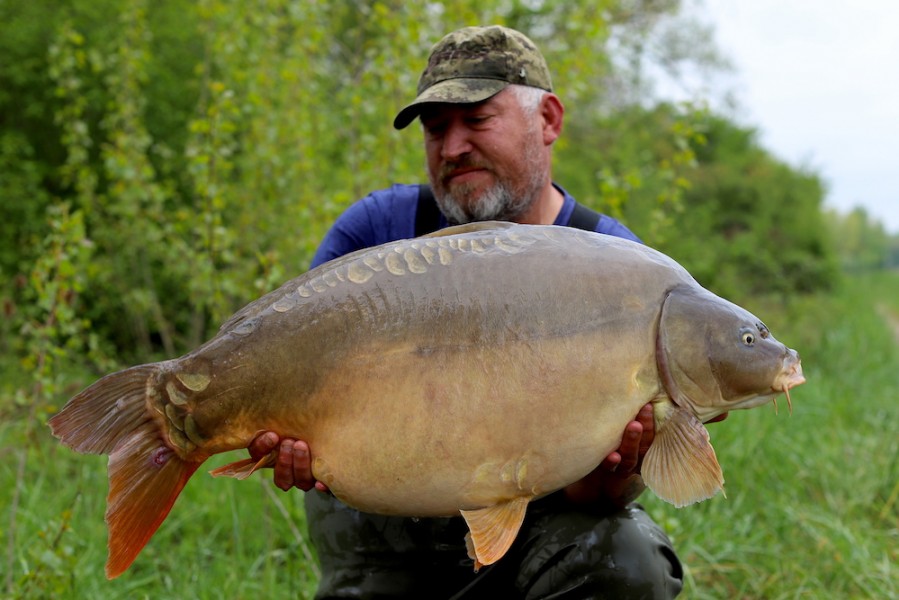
x,y
466,372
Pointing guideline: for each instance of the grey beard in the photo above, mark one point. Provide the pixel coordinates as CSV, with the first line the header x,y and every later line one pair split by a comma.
x,y
498,203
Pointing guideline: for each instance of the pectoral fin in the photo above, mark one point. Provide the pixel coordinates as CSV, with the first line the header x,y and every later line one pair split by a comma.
x,y
680,466
493,529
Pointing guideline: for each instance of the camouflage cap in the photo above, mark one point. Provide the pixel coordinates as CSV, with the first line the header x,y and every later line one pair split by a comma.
x,y
475,63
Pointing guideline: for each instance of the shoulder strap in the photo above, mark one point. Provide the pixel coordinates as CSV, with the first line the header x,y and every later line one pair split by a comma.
x,y
427,214
584,218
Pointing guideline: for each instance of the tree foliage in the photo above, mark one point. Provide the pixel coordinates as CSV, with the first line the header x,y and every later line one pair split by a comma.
x,y
751,224
862,244
207,146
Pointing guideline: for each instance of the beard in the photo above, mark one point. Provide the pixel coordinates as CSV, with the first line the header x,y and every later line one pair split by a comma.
x,y
496,203
502,201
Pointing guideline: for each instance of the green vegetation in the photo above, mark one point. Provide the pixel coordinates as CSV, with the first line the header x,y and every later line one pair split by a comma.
x,y
162,164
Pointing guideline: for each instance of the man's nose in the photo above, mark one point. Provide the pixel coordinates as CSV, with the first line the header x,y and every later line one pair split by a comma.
x,y
456,141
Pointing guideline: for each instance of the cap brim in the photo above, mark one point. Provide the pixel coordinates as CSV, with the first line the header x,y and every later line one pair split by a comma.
x,y
452,91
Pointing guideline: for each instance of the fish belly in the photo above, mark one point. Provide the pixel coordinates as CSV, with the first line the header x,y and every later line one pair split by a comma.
x,y
430,432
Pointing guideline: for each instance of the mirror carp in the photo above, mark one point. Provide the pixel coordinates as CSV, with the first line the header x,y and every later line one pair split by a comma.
x,y
466,372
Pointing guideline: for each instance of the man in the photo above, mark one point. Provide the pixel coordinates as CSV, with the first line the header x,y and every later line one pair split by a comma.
x,y
489,119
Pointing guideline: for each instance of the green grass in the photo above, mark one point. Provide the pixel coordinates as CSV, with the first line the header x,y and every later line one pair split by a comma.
x,y
223,538
811,509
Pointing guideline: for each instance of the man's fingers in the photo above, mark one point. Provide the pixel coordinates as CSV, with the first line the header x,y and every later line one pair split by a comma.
x,y
645,418
630,447
294,466
284,477
263,444
302,466
611,462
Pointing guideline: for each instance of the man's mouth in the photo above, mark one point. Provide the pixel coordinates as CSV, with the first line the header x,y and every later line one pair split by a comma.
x,y
461,174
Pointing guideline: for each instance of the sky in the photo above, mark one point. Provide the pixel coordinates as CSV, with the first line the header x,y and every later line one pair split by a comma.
x,y
819,79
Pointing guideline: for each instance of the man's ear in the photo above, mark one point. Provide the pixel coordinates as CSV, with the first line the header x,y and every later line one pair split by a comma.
x,y
553,112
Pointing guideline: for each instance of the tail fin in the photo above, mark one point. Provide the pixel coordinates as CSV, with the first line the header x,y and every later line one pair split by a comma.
x,y
145,474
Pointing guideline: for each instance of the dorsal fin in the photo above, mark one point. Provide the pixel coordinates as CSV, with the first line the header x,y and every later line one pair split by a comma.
x,y
470,228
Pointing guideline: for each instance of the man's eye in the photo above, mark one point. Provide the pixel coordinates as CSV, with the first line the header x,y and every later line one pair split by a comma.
x,y
434,129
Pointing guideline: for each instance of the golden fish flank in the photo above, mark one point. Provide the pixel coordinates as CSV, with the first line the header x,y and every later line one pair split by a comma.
x,y
440,338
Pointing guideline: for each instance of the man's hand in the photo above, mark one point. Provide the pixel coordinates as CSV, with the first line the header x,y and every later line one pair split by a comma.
x,y
616,481
294,465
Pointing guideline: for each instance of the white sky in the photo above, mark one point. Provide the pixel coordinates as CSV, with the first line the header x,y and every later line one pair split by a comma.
x,y
820,80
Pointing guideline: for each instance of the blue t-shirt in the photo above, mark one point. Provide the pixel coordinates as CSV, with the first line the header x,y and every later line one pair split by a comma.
x,y
389,215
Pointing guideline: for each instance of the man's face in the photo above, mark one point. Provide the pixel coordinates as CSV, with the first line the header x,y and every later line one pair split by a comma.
x,y
486,160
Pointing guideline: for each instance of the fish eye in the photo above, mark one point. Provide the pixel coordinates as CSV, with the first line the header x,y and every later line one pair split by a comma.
x,y
747,337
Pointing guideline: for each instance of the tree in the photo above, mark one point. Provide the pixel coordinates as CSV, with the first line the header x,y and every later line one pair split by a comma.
x,y
750,223
209,145
861,242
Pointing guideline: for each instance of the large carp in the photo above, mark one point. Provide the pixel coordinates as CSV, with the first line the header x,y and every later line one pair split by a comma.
x,y
469,372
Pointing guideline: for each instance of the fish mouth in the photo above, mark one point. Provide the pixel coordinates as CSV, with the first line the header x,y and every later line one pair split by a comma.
x,y
790,377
